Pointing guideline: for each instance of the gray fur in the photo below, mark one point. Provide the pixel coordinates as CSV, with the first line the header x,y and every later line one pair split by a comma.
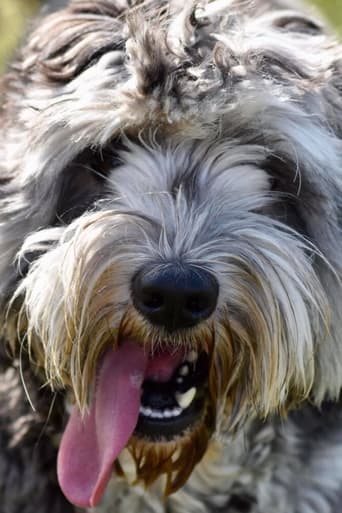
x,y
208,134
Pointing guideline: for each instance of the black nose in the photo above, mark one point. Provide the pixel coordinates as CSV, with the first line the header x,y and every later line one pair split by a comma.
x,y
175,296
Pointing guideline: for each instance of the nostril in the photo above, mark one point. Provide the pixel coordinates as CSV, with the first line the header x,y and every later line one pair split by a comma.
x,y
196,304
152,299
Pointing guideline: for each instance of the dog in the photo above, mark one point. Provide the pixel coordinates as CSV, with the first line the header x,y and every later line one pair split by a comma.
x,y
170,206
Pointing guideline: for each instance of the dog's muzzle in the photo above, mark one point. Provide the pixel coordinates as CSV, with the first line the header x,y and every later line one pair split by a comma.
x,y
154,392
175,297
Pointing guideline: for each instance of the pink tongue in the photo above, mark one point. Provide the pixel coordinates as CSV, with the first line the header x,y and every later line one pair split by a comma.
x,y
90,445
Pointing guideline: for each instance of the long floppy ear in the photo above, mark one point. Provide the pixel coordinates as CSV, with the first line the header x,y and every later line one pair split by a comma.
x,y
324,222
306,167
53,119
291,104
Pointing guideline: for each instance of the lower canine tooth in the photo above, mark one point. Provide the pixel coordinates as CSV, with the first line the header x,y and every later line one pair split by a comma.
x,y
176,412
184,400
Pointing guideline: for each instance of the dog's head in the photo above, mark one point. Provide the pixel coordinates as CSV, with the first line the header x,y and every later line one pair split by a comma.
x,y
170,224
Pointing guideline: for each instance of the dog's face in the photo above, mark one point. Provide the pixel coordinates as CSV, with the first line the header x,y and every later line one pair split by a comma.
x,y
173,194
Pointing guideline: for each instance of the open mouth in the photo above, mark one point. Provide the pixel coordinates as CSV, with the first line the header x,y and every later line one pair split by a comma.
x,y
171,406
153,396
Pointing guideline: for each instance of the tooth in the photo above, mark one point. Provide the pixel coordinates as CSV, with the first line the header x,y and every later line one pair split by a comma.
x,y
179,380
192,356
157,414
184,370
184,400
176,412
145,411
167,414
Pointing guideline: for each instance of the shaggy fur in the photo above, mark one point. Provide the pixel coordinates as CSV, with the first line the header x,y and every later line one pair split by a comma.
x,y
206,134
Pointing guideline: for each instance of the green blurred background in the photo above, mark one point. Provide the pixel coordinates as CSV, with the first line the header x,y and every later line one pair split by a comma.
x,y
15,13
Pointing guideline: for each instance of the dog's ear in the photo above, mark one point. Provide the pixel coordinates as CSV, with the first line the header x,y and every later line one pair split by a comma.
x,y
327,225
42,152
307,172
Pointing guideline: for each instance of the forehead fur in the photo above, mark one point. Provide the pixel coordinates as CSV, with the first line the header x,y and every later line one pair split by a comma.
x,y
157,63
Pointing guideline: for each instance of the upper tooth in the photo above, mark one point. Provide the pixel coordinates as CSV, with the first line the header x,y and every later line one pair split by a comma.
x,y
184,400
184,370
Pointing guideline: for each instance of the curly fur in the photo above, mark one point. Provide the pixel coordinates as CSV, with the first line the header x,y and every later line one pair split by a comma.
x,y
210,134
